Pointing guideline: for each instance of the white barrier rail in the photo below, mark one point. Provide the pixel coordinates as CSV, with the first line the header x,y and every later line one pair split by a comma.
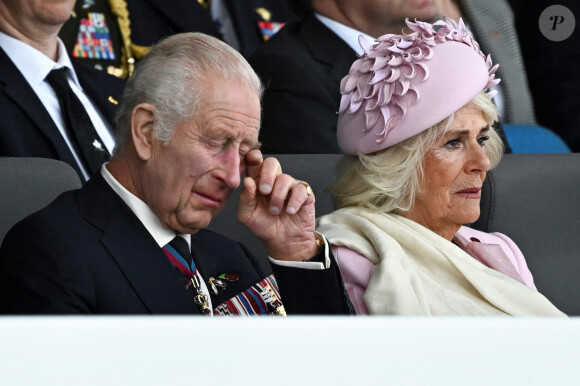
x,y
288,351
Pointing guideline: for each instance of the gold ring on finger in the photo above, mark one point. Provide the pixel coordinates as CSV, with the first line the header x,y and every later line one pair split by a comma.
x,y
308,188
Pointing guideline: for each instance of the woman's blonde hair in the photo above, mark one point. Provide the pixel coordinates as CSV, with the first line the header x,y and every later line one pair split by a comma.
x,y
388,180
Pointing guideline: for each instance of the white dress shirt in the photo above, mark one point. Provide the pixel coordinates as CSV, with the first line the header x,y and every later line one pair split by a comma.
x,y
349,35
35,66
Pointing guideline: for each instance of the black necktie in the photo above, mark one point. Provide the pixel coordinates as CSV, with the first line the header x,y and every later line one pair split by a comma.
x,y
82,133
182,247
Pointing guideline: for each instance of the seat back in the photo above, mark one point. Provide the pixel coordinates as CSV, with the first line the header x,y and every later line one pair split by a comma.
x,y
535,200
29,184
533,139
316,169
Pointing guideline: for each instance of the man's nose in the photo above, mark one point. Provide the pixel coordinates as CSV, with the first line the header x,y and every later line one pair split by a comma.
x,y
231,168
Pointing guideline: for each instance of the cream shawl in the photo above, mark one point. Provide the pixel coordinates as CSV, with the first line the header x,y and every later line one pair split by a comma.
x,y
418,272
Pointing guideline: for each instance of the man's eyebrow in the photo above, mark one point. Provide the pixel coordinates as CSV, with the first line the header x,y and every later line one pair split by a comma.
x,y
256,145
217,134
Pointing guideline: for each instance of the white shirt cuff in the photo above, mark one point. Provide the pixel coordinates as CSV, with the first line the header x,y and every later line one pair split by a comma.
x,y
307,264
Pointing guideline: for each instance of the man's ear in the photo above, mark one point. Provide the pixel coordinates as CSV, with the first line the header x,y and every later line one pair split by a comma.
x,y
142,122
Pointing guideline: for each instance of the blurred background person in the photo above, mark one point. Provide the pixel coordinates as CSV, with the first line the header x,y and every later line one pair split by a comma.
x,y
416,124
65,114
303,64
112,35
252,22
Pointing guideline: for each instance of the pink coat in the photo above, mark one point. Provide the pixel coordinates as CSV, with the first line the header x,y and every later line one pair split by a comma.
x,y
356,269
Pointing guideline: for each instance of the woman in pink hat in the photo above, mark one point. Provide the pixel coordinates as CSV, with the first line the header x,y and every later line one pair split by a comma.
x,y
415,122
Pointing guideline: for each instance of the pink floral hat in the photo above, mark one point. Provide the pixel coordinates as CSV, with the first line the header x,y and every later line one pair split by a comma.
x,y
403,84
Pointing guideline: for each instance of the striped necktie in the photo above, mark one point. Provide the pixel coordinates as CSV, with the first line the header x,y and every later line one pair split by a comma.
x,y
178,252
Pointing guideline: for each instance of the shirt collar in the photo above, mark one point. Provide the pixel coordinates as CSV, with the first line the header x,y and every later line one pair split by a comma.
x,y
160,233
33,64
349,35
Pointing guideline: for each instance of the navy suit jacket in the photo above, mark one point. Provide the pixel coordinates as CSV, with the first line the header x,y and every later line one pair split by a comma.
x,y
301,67
88,253
26,128
152,20
245,20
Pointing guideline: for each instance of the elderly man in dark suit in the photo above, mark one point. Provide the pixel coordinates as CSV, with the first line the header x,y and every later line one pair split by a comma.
x,y
33,120
132,240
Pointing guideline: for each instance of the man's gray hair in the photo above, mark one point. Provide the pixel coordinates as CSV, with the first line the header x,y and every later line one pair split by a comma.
x,y
171,77
388,180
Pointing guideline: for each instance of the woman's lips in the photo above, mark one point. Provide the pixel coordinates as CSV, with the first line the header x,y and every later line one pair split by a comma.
x,y
474,193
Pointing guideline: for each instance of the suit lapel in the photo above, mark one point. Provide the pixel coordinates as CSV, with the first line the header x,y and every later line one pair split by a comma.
x,y
136,253
17,88
106,104
213,260
185,14
326,47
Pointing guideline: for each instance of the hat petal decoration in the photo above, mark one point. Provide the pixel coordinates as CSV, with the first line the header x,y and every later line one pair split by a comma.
x,y
365,44
364,85
401,104
357,96
415,90
386,37
372,116
348,84
354,106
415,54
380,62
429,53
366,66
381,74
357,66
376,88
492,83
387,94
395,49
395,61
344,103
491,94
425,69
389,125
406,83
395,74
411,71
461,29
404,44
386,113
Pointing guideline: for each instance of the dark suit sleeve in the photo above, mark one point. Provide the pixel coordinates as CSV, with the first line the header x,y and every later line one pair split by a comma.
x,y
313,292
35,279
